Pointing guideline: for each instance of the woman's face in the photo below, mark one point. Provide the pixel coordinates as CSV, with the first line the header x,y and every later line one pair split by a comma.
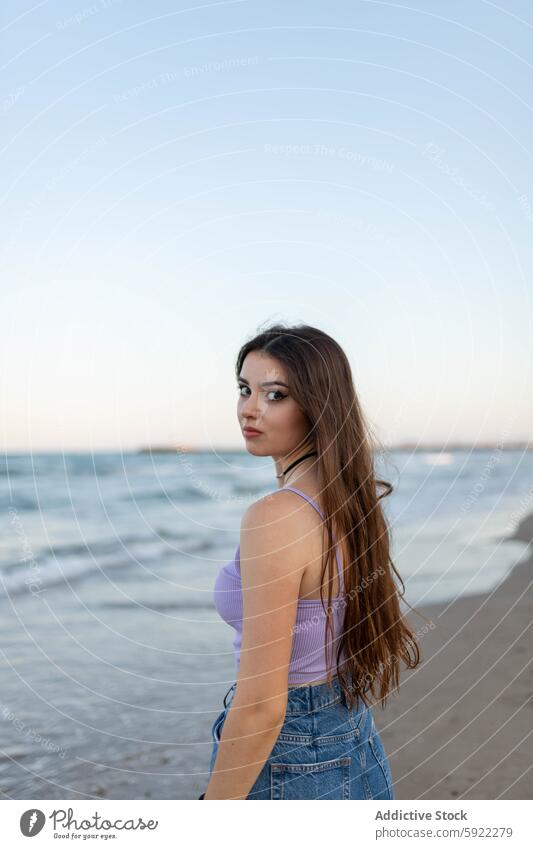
x,y
270,409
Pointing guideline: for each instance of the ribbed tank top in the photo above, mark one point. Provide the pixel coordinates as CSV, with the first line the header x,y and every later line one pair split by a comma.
x,y
308,657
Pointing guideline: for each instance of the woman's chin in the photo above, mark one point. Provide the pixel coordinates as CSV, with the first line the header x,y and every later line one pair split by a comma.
x,y
256,450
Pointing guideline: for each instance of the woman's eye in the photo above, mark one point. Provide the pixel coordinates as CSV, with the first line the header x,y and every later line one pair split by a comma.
x,y
271,392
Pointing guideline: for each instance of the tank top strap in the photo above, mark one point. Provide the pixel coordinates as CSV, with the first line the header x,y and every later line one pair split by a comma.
x,y
321,514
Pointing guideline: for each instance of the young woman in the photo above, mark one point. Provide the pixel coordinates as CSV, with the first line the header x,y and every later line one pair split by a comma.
x,y
294,727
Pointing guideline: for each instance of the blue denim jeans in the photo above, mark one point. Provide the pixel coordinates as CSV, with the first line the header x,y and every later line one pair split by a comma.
x,y
323,751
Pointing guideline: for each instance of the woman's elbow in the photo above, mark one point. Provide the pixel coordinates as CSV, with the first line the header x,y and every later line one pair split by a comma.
x,y
266,716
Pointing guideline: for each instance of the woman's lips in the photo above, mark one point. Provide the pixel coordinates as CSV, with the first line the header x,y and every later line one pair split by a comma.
x,y
250,432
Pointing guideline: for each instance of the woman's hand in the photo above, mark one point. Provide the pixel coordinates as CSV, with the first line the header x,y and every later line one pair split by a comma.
x,y
247,739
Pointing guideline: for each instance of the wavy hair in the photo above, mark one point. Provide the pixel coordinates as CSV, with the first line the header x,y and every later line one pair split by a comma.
x,y
375,636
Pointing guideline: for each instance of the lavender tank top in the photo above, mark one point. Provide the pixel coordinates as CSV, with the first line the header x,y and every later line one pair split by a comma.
x,y
308,658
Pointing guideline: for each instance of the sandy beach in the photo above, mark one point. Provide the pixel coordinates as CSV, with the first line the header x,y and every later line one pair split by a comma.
x,y
461,725
114,671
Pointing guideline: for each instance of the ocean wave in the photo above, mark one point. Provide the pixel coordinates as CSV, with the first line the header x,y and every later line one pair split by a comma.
x,y
68,562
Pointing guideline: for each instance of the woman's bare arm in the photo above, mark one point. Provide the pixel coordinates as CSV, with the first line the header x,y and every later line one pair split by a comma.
x,y
271,572
247,738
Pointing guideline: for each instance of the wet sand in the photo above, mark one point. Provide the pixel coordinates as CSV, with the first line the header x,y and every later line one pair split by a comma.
x,y
461,725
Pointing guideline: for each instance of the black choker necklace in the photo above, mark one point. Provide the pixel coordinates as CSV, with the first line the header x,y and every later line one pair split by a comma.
x,y
299,460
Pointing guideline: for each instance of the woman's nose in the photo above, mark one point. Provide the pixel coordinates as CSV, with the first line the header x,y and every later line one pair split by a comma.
x,y
252,407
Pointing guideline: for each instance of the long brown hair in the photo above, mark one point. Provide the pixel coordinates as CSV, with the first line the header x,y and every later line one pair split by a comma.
x,y
375,636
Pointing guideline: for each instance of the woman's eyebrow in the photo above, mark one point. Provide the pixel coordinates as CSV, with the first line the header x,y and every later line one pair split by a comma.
x,y
265,383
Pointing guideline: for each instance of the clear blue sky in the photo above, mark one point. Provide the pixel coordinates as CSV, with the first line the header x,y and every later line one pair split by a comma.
x,y
172,179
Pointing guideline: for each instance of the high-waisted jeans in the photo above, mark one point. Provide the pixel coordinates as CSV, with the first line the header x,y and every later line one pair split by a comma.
x,y
323,751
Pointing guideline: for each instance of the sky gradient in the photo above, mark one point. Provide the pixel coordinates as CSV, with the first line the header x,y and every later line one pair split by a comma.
x,y
174,179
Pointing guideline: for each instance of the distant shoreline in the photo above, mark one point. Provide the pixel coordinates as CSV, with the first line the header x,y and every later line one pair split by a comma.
x,y
401,446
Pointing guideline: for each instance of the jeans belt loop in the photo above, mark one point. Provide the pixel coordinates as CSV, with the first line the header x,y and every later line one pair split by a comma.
x,y
227,694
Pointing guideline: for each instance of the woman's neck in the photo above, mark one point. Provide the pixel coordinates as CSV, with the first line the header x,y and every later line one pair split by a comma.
x,y
304,472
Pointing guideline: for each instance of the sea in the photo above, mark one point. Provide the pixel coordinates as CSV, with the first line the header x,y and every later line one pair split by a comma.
x,y
113,660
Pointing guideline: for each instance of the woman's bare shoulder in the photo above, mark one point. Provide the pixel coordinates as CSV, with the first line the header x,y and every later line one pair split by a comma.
x,y
281,504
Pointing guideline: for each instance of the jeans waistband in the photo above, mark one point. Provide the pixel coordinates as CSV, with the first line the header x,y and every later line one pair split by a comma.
x,y
304,698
